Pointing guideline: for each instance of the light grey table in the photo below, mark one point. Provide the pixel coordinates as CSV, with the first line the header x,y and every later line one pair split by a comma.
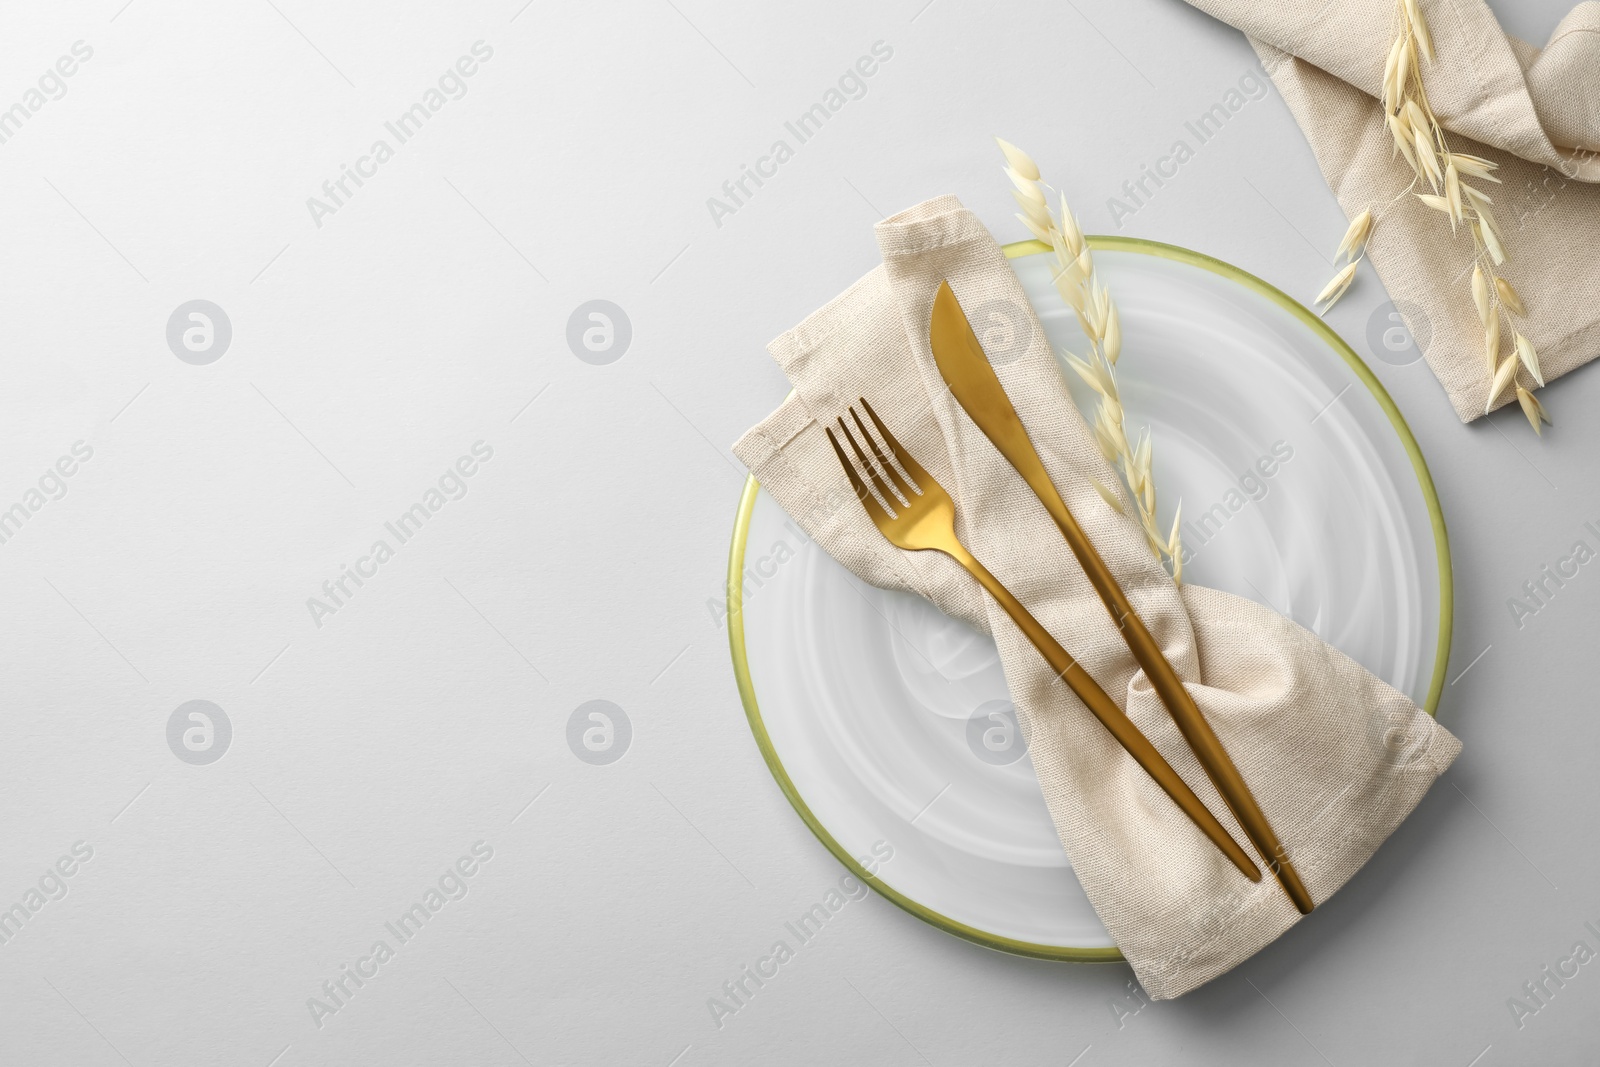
x,y
391,327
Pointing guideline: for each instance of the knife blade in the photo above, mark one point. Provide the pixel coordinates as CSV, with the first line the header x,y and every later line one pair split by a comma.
x,y
966,369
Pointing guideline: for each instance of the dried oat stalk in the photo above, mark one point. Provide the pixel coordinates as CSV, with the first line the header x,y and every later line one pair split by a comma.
x,y
1076,282
1440,181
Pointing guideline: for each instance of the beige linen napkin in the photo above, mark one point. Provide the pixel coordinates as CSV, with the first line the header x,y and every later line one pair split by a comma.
x,y
1335,757
1535,112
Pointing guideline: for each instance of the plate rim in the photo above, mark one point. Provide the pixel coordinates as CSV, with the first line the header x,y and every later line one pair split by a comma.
x,y
741,529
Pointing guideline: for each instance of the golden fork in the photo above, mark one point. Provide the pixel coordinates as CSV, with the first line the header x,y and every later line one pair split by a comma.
x,y
923,518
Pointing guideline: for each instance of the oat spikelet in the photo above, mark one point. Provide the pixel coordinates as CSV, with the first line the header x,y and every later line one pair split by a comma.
x,y
1108,496
1073,274
1533,410
1174,545
1440,182
1018,160
1355,238
1529,358
1336,288
1509,297
1353,244
1502,378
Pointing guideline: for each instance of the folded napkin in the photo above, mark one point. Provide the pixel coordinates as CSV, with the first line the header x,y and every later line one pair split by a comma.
x,y
1535,112
1335,757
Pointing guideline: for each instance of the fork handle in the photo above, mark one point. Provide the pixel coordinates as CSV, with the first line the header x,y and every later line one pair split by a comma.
x,y
1111,716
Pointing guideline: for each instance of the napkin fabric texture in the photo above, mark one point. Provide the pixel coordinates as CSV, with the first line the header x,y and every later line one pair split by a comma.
x,y
1335,757
1535,112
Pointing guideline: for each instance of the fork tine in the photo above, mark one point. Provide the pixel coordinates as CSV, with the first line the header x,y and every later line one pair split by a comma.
x,y
866,465
875,510
909,465
884,465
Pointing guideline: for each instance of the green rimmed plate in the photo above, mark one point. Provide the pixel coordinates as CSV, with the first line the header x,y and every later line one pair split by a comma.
x,y
887,724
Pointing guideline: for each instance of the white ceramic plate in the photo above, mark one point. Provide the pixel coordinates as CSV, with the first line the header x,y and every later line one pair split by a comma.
x,y
887,724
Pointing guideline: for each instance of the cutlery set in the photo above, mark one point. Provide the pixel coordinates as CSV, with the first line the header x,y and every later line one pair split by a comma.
x,y
915,513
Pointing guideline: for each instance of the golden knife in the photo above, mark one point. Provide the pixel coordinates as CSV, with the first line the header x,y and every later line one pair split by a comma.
x,y
967,371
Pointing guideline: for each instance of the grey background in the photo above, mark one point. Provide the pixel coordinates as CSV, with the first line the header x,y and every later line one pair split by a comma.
x,y
431,711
